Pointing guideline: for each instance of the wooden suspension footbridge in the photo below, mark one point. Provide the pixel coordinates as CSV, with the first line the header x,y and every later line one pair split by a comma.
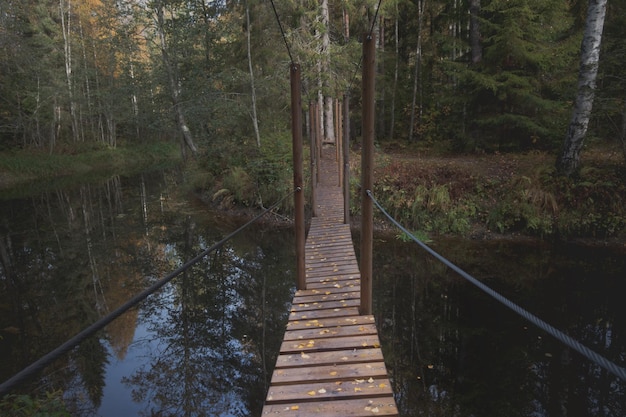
x,y
330,362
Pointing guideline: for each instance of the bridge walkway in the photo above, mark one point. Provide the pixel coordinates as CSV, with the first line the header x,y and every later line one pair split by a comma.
x,y
330,362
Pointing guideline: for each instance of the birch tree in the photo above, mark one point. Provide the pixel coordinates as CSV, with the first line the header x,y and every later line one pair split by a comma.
x,y
255,120
568,161
174,83
418,64
327,105
66,27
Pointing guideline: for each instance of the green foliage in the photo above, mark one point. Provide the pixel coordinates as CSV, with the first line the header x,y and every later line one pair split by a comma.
x,y
26,406
511,99
253,176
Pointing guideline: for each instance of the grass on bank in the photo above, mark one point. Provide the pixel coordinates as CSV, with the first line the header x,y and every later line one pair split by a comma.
x,y
21,167
514,193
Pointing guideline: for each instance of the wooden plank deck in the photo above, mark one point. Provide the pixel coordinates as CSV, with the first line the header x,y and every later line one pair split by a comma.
x,y
330,362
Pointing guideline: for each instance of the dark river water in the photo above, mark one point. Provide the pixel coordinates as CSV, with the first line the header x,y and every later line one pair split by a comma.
x,y
206,343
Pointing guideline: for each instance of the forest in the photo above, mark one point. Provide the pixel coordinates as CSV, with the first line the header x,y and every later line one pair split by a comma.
x,y
464,76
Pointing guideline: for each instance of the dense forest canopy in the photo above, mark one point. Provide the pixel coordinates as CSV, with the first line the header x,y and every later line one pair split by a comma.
x,y
473,74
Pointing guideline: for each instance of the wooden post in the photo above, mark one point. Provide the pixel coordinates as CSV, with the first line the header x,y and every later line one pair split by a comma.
x,y
318,140
367,174
296,134
339,141
346,158
336,123
313,151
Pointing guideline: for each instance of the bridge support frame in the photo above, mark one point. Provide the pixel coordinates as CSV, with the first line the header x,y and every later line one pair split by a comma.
x,y
296,133
367,171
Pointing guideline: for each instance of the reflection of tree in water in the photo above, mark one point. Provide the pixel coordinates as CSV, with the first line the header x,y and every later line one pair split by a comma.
x,y
209,324
454,351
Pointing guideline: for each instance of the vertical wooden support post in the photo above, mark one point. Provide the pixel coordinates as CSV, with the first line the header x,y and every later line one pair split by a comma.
x,y
367,169
318,140
313,151
346,158
336,123
339,141
296,134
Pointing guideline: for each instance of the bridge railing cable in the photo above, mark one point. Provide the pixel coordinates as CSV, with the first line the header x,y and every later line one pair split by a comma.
x,y
559,335
282,31
47,359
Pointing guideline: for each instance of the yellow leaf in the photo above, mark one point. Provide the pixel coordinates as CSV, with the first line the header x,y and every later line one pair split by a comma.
x,y
370,380
357,389
295,407
333,373
311,393
382,385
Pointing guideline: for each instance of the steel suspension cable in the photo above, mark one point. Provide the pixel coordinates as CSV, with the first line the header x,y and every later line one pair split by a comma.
x,y
559,335
282,31
356,69
45,360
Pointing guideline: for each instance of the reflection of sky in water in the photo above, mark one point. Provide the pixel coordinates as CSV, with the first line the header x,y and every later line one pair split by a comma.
x,y
117,398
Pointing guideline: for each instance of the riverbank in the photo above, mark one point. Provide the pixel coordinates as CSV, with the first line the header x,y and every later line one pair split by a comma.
x,y
22,170
488,196
433,193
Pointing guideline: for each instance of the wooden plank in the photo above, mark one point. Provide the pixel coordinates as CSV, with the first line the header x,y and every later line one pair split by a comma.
x,y
361,407
329,373
337,331
351,284
353,356
338,343
334,357
321,314
323,305
324,391
325,296
330,322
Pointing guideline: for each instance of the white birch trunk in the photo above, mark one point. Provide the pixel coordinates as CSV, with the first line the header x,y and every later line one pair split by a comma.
x,y
255,120
327,105
187,138
67,49
568,161
418,65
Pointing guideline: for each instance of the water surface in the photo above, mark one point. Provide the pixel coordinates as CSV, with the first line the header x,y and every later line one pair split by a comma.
x,y
207,342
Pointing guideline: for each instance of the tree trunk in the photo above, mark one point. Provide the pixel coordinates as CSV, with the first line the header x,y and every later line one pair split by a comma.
x,y
418,64
623,132
381,72
67,49
395,75
329,124
187,138
568,161
255,120
474,34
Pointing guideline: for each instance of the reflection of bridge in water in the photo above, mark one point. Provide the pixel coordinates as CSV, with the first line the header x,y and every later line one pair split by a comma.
x,y
330,361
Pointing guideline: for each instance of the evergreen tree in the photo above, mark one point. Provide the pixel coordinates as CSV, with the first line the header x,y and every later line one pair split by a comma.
x,y
507,101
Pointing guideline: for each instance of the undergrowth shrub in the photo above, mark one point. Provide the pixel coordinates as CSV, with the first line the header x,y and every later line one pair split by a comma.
x,y
27,406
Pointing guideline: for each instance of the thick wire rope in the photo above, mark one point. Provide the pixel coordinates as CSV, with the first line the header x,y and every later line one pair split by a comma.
x,y
282,31
45,360
567,340
369,36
